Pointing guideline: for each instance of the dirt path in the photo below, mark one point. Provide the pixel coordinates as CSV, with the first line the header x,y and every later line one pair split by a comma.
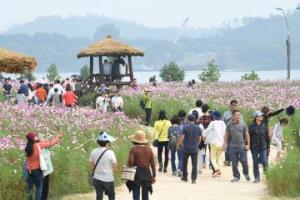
x,y
208,188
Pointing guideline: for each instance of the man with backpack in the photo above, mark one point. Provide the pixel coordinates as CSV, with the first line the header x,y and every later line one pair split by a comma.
x,y
146,104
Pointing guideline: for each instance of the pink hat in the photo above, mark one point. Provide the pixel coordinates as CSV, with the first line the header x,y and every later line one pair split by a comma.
x,y
31,135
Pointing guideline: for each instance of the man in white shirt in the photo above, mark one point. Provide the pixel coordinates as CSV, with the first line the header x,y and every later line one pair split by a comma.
x,y
117,103
107,67
102,102
103,163
198,108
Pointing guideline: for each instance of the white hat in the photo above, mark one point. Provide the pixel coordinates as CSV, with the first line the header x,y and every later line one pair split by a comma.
x,y
105,137
257,114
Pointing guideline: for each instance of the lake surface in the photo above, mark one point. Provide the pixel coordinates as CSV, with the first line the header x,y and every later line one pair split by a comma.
x,y
143,77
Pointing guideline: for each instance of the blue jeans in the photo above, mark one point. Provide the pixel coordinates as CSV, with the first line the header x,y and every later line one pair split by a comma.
x,y
104,187
35,178
259,157
173,160
136,192
194,157
236,155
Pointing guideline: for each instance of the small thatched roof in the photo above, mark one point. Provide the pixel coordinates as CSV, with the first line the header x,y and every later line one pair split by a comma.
x,y
13,62
110,47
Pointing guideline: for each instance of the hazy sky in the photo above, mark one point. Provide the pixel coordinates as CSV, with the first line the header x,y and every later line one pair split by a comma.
x,y
202,13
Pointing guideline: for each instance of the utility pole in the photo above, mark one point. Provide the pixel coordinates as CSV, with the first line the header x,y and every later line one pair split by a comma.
x,y
288,44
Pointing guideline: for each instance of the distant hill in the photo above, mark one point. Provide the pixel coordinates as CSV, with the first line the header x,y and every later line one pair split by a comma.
x,y
259,43
86,26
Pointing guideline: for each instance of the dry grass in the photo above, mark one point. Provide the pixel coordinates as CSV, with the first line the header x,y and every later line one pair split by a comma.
x,y
13,62
110,47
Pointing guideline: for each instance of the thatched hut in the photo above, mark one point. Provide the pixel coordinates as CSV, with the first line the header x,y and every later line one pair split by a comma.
x,y
13,62
110,48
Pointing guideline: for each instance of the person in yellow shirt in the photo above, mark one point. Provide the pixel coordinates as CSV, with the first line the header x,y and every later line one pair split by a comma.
x,y
161,128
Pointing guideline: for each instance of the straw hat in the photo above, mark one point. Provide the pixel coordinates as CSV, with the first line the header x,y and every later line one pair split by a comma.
x,y
147,90
139,137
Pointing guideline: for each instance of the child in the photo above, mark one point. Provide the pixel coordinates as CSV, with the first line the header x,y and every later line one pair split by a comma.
x,y
277,137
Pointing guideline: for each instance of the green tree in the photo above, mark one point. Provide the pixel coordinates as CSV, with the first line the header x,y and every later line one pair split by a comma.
x,y
172,72
29,76
85,72
252,76
52,73
211,73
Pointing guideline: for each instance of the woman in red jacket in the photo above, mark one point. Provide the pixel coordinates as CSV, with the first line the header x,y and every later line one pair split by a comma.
x,y
69,97
33,161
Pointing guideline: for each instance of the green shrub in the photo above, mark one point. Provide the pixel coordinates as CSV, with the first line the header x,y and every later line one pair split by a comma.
x,y
88,99
252,76
2,97
52,73
172,72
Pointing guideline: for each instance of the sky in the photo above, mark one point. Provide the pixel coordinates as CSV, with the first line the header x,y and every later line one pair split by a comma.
x,y
155,13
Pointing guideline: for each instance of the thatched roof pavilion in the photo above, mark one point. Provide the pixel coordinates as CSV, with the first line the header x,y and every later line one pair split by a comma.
x,y
110,48
13,62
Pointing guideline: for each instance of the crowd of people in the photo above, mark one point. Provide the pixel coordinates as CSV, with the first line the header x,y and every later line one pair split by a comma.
x,y
59,94
41,92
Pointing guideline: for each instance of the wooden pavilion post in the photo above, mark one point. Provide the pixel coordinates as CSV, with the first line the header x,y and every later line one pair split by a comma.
x,y
130,68
101,70
91,68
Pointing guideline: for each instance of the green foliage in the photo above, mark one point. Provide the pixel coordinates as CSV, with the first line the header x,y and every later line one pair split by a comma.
x,y
172,72
29,76
70,172
2,97
283,178
88,99
52,73
85,72
211,73
252,76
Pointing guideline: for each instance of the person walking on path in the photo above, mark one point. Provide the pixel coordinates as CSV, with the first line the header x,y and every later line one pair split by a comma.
x,y
104,163
204,122
190,139
214,136
174,133
142,157
277,136
32,150
161,127
227,117
147,106
237,137
260,144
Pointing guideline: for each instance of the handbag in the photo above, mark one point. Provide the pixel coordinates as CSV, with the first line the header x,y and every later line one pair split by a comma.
x,y
91,177
155,142
128,173
43,164
47,156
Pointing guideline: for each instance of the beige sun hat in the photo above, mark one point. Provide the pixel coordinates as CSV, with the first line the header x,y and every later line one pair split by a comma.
x,y
139,137
147,90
